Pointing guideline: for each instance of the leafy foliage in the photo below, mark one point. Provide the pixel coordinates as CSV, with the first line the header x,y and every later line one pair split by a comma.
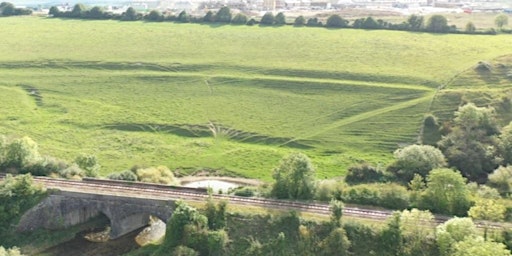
x,y
470,146
446,192
127,175
159,174
294,178
239,18
299,21
452,231
476,246
280,19
17,195
364,173
416,159
501,20
501,179
267,19
88,163
223,15
10,251
336,21
437,24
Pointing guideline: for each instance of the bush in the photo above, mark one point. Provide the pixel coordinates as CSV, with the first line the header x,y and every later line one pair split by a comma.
x,y
244,191
364,173
336,21
239,19
72,172
160,174
124,175
299,21
267,19
391,196
46,167
328,189
363,239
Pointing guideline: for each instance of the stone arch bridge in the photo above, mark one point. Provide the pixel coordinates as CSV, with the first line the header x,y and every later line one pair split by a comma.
x,y
63,209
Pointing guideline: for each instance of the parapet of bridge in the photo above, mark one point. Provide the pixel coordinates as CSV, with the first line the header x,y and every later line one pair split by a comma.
x,y
63,209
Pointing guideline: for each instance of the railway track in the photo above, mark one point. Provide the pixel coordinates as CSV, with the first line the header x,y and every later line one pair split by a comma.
x,y
165,192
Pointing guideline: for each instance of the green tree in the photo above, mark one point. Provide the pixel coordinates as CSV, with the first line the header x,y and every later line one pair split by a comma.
x,y
437,24
216,215
391,239
88,163
415,22
505,144
155,15
7,9
336,243
183,17
470,27
17,195
223,15
299,21
487,210
208,17
78,11
182,216
370,23
294,178
267,19
21,153
239,19
54,11
416,159
96,13
313,22
501,179
446,192
471,146
280,19
217,242
501,20
336,21
336,207
415,229
452,231
130,15
476,246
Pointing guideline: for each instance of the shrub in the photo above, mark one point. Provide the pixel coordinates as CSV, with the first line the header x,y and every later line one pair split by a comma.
x,y
72,172
244,191
124,175
299,21
363,173
328,189
391,196
46,167
267,19
160,174
239,19
336,21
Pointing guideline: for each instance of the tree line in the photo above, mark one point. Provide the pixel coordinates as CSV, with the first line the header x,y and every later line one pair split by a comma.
x,y
8,9
434,24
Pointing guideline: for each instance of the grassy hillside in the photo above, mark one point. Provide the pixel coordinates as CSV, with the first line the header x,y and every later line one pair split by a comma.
x,y
150,93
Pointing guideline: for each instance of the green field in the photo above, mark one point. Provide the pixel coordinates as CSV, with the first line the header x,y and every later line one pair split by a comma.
x,y
136,93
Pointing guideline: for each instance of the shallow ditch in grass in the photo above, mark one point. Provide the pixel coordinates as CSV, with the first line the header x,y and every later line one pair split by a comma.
x,y
196,130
